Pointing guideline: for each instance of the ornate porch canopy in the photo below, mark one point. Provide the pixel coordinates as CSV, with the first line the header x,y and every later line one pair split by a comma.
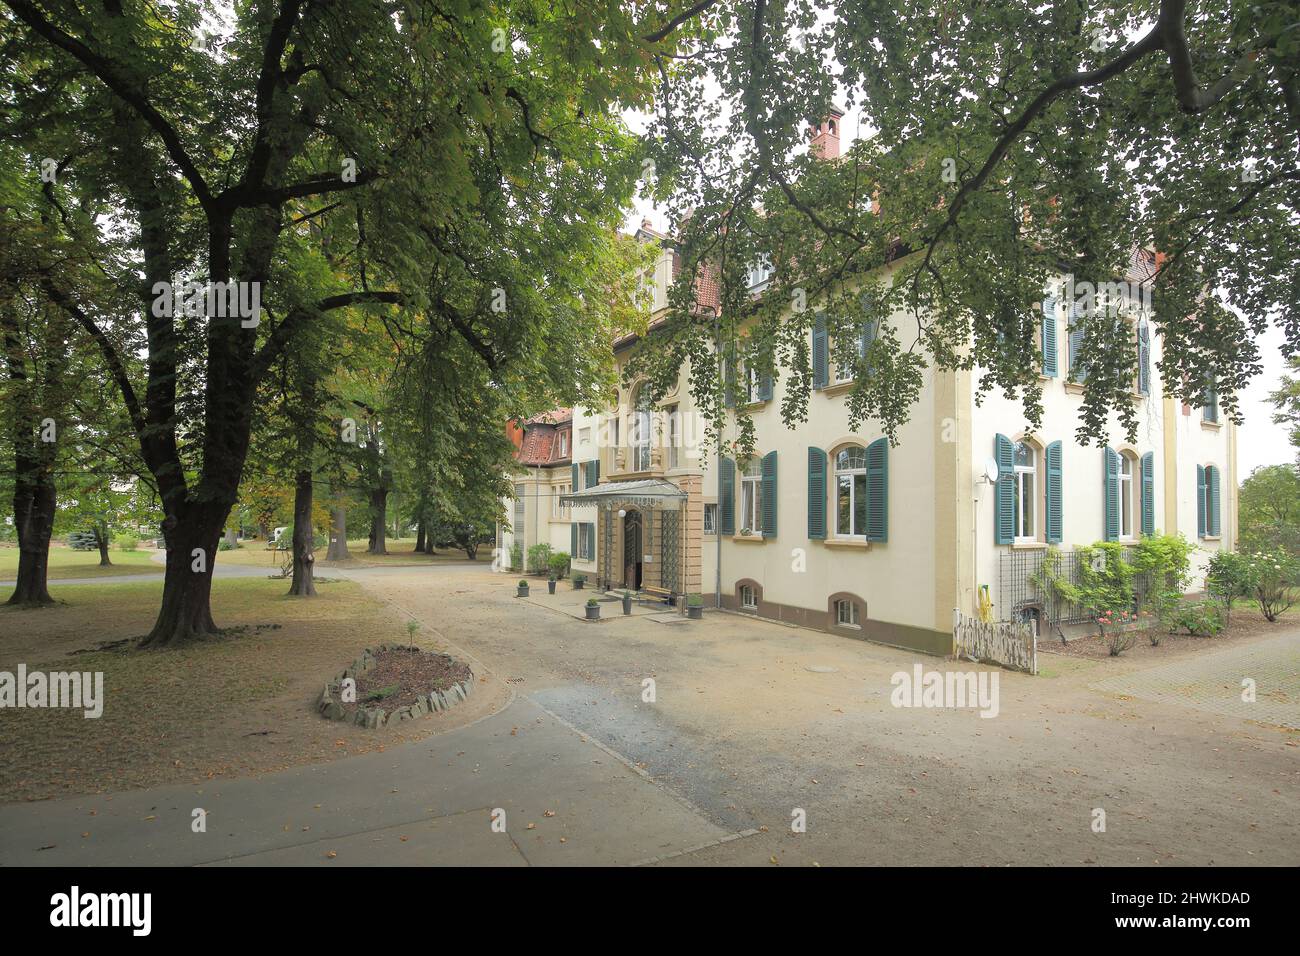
x,y
642,493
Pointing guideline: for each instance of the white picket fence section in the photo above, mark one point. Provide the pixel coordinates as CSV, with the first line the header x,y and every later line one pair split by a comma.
x,y
1010,643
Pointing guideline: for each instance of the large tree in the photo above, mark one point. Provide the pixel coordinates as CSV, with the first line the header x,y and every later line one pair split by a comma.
x,y
420,124
1002,143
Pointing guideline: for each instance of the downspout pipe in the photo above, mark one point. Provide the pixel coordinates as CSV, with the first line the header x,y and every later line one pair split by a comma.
x,y
717,531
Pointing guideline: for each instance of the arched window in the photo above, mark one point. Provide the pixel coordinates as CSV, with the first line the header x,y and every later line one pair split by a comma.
x,y
1125,495
851,492
1025,457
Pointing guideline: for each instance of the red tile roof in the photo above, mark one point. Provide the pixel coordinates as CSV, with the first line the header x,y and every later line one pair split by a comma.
x,y
540,445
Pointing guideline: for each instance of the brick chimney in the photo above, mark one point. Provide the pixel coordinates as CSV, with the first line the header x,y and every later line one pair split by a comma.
x,y
826,135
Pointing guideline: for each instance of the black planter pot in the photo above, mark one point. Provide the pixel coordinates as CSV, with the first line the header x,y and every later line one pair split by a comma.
x,y
627,604
577,585
593,613
550,586
695,613
521,591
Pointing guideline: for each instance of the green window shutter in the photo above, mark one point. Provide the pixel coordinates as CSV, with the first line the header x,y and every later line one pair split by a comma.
x,y
1049,336
1149,493
590,528
727,496
868,334
575,477
817,494
820,358
573,540
769,495
594,467
765,387
1004,497
1212,482
1210,410
878,490
1144,358
1200,501
1055,502
1110,475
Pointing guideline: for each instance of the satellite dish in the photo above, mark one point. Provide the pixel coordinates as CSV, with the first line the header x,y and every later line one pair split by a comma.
x,y
991,471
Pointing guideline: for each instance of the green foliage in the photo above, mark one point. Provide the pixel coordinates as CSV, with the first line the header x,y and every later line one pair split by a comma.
x,y
516,557
695,600
1198,618
989,164
127,542
1275,577
559,564
1287,402
1269,514
593,602
1229,575
578,578
539,557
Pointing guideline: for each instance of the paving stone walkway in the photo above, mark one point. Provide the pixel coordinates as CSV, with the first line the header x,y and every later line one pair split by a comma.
x,y
1213,682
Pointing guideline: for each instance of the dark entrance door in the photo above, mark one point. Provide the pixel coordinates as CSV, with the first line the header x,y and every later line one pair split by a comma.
x,y
632,550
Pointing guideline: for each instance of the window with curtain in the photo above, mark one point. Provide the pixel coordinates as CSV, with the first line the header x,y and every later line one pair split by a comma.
x,y
751,496
1026,483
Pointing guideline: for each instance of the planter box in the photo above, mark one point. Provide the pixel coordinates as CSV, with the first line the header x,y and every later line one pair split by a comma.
x,y
550,587
521,591
593,613
695,613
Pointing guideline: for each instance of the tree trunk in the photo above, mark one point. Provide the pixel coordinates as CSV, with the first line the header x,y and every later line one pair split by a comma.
x,y
232,537
338,550
101,539
419,537
34,502
378,520
304,558
186,612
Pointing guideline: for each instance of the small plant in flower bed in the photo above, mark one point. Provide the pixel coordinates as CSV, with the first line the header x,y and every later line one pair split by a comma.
x,y
1198,618
592,602
1118,629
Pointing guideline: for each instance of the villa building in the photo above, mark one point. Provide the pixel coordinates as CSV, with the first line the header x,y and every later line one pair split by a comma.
x,y
832,528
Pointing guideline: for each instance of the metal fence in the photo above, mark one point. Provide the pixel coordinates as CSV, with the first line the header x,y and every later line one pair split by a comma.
x,y
1020,599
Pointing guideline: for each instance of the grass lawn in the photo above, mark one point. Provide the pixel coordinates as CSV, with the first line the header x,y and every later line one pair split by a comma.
x,y
66,563
401,554
236,705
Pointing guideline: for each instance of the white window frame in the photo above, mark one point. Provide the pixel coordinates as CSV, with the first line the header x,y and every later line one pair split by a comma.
x,y
751,496
1124,496
583,554
710,525
748,597
558,509
1025,482
760,271
642,428
674,415
844,608
564,444
852,473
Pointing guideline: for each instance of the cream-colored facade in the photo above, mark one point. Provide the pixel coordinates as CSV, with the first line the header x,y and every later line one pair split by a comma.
x,y
935,547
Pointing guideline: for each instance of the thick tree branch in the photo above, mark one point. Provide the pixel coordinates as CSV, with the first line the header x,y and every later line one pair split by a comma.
x,y
112,76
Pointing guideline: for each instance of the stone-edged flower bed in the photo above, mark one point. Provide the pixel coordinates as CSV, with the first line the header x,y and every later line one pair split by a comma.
x,y
392,683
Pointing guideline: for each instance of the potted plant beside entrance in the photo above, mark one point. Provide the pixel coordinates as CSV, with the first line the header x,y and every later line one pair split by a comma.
x,y
522,590
627,602
550,584
578,581
593,609
695,607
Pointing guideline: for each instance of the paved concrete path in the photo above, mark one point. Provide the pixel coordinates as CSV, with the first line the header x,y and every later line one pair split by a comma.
x,y
426,803
1213,682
